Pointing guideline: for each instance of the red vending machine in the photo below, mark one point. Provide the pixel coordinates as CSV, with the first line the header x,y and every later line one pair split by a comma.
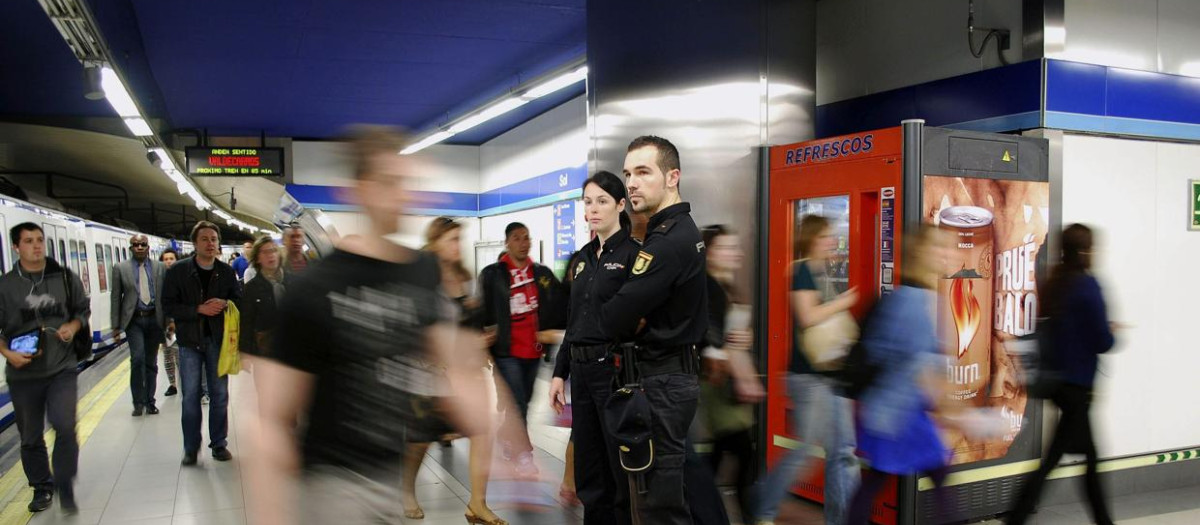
x,y
992,192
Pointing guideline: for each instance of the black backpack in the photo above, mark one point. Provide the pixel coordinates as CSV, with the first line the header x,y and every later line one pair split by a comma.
x,y
858,373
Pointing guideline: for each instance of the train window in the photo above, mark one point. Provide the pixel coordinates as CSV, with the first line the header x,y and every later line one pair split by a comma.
x,y
108,256
83,267
62,250
50,247
101,269
74,261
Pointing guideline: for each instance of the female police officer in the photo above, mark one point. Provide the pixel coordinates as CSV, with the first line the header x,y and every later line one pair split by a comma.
x,y
596,273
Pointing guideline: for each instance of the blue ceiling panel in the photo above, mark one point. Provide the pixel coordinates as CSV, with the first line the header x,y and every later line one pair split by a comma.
x,y
301,68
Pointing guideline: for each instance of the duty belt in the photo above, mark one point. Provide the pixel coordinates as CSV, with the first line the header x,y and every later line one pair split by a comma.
x,y
678,360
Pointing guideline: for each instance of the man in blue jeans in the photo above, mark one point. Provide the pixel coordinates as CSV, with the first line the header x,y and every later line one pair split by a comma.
x,y
195,295
136,289
520,298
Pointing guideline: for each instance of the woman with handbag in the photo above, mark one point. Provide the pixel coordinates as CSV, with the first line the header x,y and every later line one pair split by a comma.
x,y
824,330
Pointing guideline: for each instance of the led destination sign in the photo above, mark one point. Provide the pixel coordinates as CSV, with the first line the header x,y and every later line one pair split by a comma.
x,y
235,162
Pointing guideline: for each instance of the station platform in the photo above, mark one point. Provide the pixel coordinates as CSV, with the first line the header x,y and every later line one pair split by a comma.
x,y
129,471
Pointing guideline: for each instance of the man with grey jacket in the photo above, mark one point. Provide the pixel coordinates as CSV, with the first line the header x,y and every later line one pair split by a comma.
x,y
42,307
137,285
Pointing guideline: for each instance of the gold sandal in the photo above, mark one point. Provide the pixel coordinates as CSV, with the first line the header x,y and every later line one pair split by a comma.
x,y
416,514
472,519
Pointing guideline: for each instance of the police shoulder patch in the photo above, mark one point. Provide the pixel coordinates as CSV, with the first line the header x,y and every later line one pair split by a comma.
x,y
579,268
544,281
642,263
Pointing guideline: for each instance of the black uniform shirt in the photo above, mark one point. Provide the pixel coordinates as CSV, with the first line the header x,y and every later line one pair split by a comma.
x,y
595,280
666,287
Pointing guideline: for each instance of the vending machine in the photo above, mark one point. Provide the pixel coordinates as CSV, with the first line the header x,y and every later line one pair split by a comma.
x,y
992,193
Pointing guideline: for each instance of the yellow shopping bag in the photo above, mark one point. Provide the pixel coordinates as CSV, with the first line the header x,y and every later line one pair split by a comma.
x,y
230,362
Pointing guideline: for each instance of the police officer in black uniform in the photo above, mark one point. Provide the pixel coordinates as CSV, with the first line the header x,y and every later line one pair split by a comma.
x,y
595,275
667,288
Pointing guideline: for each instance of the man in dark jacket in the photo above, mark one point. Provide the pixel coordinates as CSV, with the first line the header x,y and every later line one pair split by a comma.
x,y
520,298
195,295
42,307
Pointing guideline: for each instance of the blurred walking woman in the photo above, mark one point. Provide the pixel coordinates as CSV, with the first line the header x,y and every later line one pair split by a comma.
x,y
825,419
596,273
443,238
1079,333
896,431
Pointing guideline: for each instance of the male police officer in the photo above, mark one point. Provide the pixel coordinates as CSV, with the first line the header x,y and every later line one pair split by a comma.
x,y
666,287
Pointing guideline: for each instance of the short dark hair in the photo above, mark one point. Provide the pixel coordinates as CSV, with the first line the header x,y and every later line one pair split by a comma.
x,y
668,154
204,225
366,141
170,251
14,233
512,227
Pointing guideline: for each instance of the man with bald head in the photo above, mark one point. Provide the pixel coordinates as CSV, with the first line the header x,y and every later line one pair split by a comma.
x,y
137,285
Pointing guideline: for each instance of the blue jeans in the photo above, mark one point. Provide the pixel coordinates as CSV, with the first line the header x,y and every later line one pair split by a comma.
x,y
195,363
520,375
824,418
144,335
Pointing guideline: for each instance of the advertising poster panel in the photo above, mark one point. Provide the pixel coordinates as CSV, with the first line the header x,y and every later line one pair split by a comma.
x,y
987,297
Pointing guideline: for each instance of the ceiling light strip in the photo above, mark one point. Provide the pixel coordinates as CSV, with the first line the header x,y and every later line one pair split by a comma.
x,y
498,108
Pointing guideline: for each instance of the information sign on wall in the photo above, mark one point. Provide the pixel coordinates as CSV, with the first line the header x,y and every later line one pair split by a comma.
x,y
564,236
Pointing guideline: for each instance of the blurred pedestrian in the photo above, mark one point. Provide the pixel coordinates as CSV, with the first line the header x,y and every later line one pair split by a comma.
x,y
443,239
355,333
823,419
1079,331
261,298
731,384
896,432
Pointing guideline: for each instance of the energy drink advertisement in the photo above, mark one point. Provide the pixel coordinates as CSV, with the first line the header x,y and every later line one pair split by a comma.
x,y
987,297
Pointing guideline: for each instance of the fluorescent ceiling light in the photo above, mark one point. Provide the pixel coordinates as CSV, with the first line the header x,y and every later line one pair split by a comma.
x,y
183,187
545,88
222,214
118,97
493,111
557,83
139,127
426,142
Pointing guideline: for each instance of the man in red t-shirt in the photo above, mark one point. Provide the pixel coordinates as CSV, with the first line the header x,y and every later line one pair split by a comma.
x,y
517,296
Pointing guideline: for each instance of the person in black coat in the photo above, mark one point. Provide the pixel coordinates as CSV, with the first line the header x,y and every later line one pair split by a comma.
x,y
260,300
1079,331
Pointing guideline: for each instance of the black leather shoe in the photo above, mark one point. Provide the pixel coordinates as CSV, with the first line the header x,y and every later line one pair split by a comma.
x,y
189,459
151,410
171,391
222,454
41,500
137,411
66,499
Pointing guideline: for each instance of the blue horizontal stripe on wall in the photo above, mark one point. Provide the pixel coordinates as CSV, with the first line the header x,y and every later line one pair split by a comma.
x,y
1079,97
536,191
1103,99
979,97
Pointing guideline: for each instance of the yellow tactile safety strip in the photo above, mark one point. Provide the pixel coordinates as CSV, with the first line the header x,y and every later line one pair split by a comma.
x,y
89,412
1024,467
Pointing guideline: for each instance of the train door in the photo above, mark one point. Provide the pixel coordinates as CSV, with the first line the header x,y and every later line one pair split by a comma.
x,y
60,245
49,235
855,183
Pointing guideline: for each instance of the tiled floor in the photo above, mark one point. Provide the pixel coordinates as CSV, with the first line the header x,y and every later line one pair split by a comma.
x,y
130,474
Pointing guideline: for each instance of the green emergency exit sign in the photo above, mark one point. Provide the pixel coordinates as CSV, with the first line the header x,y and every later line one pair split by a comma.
x,y
1194,223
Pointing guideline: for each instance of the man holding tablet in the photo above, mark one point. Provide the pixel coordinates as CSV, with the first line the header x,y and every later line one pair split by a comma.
x,y
42,307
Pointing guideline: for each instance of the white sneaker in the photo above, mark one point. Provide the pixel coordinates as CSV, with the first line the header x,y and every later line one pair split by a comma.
x,y
204,399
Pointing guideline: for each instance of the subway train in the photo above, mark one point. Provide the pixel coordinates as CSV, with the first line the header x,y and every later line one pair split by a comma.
x,y
89,249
